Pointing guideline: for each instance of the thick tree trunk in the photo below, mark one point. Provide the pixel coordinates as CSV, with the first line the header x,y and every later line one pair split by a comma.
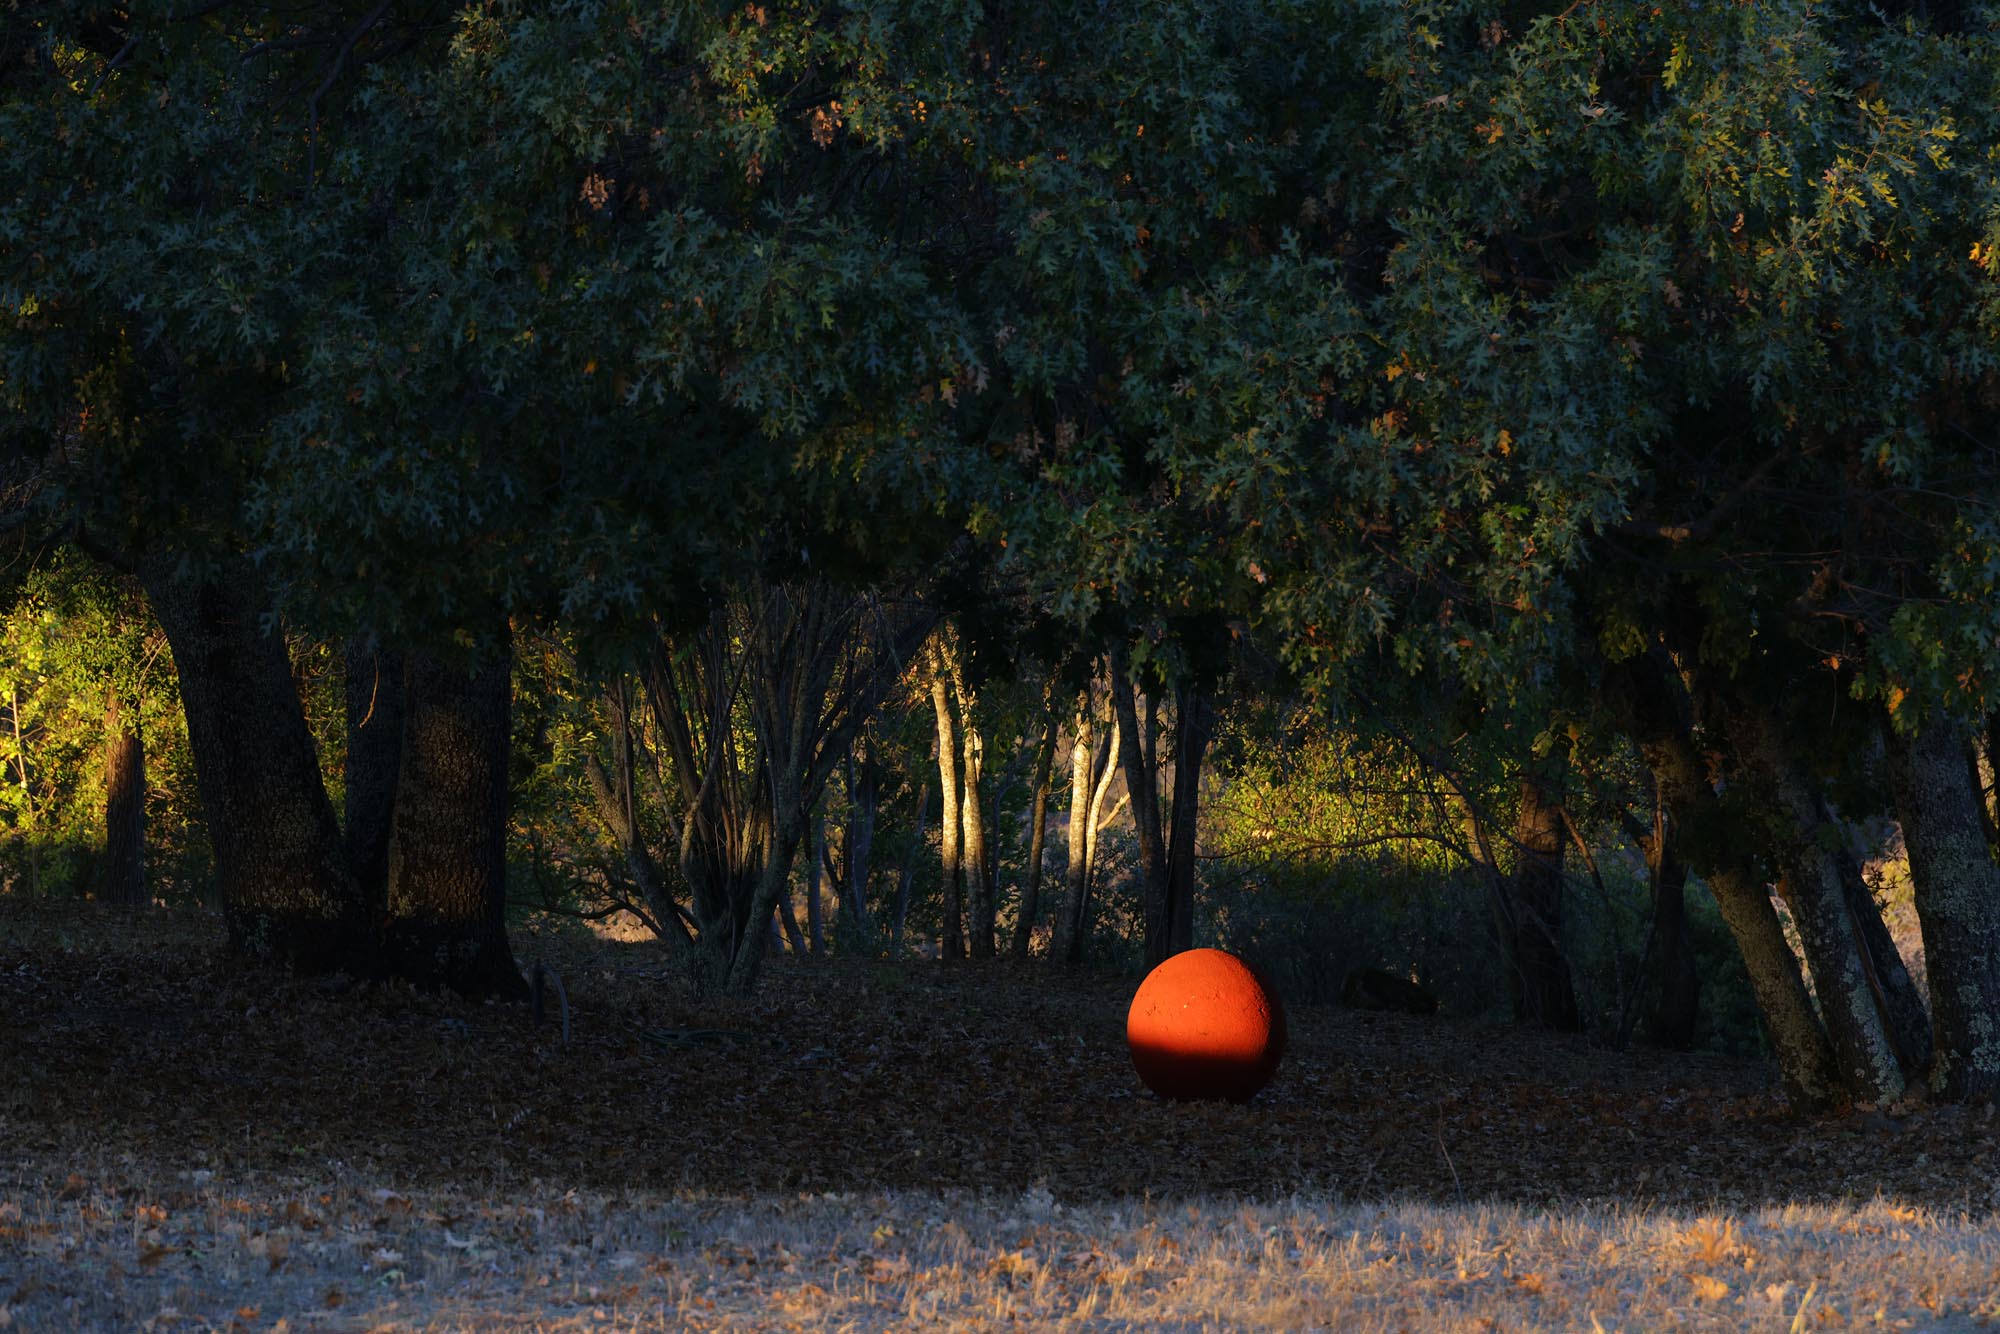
x,y
1192,730
1038,823
1957,888
950,830
1803,846
1539,973
1698,836
1142,783
1678,1005
121,874
279,861
374,759
448,841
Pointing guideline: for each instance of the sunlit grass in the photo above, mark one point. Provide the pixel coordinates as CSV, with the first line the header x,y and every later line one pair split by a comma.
x,y
125,1247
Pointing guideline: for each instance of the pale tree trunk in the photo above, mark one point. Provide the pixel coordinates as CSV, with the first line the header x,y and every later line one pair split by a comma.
x,y
447,883
950,828
1697,827
972,844
374,759
1031,888
1957,889
1538,969
1863,1049
1067,946
121,874
279,861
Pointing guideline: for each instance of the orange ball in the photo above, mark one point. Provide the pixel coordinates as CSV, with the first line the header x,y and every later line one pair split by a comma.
x,y
1204,1025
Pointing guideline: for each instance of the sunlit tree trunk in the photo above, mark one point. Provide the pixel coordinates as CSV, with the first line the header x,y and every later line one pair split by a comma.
x,y
447,883
121,873
1957,889
950,829
1068,943
279,861
1038,821
1538,971
972,845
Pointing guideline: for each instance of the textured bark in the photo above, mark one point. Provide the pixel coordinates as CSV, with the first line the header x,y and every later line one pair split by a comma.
x,y
121,872
374,759
1539,975
448,841
1142,785
1038,824
950,830
1657,716
1803,845
279,862
1192,730
1957,888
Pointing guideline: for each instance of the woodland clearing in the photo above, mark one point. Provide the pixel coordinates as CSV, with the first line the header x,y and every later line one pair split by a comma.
x,y
872,1145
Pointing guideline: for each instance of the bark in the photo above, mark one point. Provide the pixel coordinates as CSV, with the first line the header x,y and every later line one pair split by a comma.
x,y
1544,995
374,758
1658,719
1895,990
1068,943
1678,1006
448,841
1194,727
1803,845
1142,784
1038,823
950,829
121,873
280,865
973,845
1957,890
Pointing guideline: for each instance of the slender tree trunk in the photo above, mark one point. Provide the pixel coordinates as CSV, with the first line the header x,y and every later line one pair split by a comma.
x,y
1038,823
1068,944
374,759
121,874
908,874
448,843
1678,1006
1855,1024
1192,730
1142,783
864,793
788,916
1957,888
1699,835
1543,993
279,861
950,828
973,849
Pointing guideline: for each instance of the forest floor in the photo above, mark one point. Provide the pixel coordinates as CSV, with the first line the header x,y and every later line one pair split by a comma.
x,y
867,1145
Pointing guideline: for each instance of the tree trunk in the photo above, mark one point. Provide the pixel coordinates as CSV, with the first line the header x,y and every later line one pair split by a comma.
x,y
279,861
972,847
1957,889
374,759
1699,837
1895,990
1192,730
448,840
1038,823
788,917
1142,784
815,921
1802,845
950,830
1678,1005
1068,943
1544,996
121,874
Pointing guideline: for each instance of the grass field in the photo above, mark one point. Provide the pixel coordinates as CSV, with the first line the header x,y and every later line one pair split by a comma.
x,y
873,1146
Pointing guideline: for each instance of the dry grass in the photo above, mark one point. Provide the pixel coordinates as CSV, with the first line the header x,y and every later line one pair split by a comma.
x,y
194,1250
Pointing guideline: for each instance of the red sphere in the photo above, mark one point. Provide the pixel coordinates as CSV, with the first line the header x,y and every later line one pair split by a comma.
x,y
1204,1025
